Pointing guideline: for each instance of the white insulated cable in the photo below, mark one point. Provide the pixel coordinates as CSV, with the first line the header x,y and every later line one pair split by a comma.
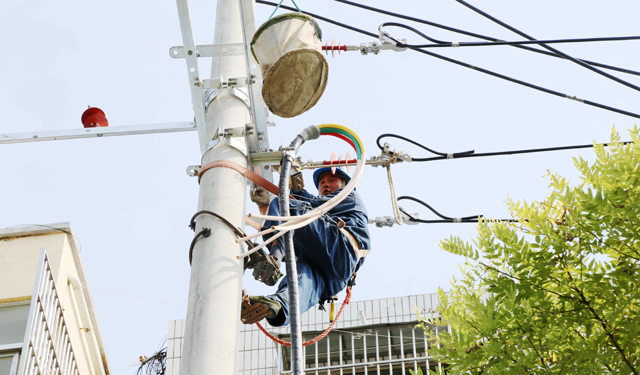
x,y
328,205
295,222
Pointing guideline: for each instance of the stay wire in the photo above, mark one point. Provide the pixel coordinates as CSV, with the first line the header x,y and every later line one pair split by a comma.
x,y
461,63
441,43
568,57
445,219
479,36
472,154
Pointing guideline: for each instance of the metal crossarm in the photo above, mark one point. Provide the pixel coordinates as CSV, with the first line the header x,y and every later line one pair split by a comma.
x,y
55,135
257,136
195,84
209,50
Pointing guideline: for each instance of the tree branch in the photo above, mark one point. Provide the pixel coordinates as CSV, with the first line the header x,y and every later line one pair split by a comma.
x,y
533,345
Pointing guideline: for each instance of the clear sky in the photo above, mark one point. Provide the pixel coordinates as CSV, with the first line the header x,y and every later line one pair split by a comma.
x,y
129,199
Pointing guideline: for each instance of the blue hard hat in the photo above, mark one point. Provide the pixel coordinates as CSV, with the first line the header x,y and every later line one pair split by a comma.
x,y
320,171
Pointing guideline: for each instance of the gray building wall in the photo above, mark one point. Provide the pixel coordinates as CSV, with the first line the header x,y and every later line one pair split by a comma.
x,y
374,336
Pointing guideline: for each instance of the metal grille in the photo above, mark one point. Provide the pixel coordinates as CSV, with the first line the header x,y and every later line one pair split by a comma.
x,y
376,349
372,337
47,348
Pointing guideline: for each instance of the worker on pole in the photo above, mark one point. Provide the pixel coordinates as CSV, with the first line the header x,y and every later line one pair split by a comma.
x,y
329,250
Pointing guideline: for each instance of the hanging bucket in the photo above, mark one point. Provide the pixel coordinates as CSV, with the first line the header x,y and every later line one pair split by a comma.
x,y
294,71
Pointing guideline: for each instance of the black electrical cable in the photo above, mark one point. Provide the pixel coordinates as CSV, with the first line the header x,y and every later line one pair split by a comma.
x,y
444,155
205,232
297,355
472,154
445,219
584,65
489,72
440,43
321,18
527,84
479,36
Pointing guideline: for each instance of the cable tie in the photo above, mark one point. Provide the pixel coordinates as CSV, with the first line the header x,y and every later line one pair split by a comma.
x,y
455,44
450,156
457,220
575,98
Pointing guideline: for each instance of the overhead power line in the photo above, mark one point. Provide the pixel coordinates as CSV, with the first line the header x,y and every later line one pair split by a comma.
x,y
440,43
479,36
461,63
568,57
472,154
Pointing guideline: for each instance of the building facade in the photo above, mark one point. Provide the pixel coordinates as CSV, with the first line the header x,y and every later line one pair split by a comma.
x,y
47,318
371,337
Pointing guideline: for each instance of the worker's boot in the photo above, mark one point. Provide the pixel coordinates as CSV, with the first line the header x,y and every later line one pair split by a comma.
x,y
256,308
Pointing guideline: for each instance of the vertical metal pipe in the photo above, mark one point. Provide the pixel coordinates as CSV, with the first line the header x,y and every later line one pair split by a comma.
x,y
426,348
364,349
438,345
389,348
316,347
328,356
297,364
413,343
353,355
340,352
215,284
377,355
402,350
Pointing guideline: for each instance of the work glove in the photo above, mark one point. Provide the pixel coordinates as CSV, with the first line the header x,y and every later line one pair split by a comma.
x,y
297,183
259,196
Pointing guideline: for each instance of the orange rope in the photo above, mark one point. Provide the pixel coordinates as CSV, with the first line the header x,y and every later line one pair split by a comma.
x,y
347,299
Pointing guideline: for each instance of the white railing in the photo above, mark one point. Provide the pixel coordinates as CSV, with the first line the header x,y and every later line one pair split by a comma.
x,y
47,348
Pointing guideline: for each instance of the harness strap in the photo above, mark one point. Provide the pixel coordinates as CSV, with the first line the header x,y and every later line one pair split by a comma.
x,y
354,243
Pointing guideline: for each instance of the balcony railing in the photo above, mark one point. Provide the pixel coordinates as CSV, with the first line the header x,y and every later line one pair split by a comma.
x,y
47,348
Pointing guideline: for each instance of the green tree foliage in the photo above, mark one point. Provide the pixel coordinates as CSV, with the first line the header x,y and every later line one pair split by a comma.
x,y
558,292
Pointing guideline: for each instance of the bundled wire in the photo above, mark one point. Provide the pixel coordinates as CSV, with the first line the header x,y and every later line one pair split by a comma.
x,y
479,36
470,66
295,222
154,365
440,43
472,154
560,53
444,219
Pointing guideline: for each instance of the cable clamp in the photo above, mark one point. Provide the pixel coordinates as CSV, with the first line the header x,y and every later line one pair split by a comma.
x,y
455,44
450,156
409,218
382,221
457,220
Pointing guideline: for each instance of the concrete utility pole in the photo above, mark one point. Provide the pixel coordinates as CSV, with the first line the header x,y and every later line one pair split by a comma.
x,y
213,312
